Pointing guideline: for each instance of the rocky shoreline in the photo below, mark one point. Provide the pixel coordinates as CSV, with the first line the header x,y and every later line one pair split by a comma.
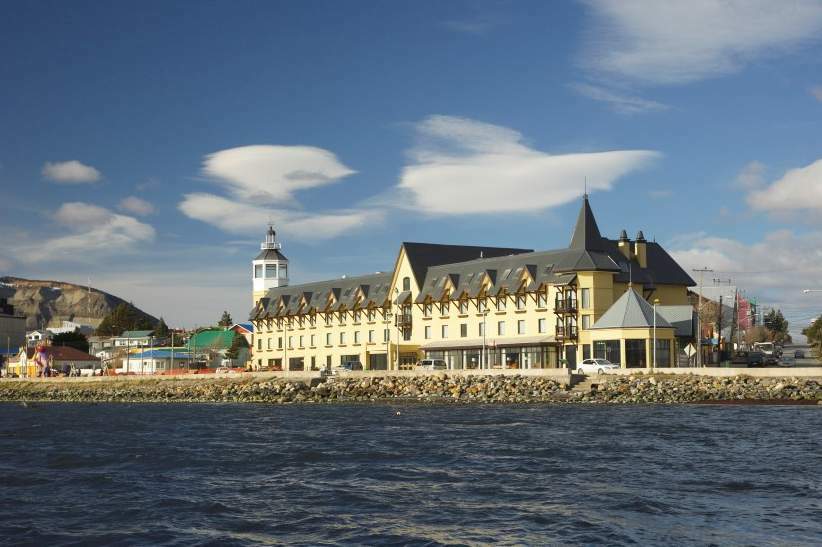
x,y
435,388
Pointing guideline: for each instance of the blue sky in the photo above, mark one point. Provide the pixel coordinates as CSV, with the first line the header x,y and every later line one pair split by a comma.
x,y
145,145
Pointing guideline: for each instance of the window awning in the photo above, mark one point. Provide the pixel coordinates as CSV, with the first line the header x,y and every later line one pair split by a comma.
x,y
402,297
476,343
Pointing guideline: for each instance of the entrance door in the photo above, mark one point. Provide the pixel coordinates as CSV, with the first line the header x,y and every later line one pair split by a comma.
x,y
571,357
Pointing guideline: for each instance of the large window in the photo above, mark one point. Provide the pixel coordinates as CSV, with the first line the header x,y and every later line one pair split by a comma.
x,y
270,271
635,354
585,297
607,349
663,353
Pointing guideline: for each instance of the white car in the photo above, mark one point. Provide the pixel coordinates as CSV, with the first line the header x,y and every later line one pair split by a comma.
x,y
431,364
595,366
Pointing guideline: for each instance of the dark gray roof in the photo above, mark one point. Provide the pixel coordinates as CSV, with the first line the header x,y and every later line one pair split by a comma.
x,y
630,311
586,232
682,318
315,296
270,254
422,256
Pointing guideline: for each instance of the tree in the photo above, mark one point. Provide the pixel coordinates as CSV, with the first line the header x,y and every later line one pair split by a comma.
x,y
237,344
225,320
814,334
777,326
162,329
122,318
74,339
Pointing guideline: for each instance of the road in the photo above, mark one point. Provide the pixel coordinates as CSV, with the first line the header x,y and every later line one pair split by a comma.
x,y
808,361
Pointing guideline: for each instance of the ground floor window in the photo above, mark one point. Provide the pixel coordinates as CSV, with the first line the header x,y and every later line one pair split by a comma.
x,y
408,361
348,358
378,361
607,349
663,353
586,351
635,354
296,363
517,357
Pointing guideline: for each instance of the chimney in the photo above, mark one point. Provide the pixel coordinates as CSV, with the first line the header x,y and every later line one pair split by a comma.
x,y
641,249
624,245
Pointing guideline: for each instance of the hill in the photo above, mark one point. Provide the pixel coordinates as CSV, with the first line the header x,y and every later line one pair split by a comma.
x,y
49,303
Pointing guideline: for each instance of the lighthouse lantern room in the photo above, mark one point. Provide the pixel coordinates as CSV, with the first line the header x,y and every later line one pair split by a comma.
x,y
270,268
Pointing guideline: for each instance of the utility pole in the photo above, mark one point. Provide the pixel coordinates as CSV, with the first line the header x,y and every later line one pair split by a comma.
x,y
719,329
702,272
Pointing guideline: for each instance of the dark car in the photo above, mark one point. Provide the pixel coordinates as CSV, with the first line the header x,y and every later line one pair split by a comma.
x,y
799,354
756,359
771,360
740,358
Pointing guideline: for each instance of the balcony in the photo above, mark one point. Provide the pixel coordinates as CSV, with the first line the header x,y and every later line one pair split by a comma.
x,y
565,305
403,320
566,333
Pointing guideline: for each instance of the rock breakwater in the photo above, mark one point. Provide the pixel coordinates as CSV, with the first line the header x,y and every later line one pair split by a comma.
x,y
441,387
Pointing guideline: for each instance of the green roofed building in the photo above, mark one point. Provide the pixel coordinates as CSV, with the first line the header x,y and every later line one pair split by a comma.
x,y
215,346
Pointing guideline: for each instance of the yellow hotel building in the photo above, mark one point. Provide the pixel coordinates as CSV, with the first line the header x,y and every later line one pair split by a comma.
x,y
478,307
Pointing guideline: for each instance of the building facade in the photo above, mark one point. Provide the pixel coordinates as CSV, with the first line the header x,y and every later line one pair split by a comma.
x,y
481,308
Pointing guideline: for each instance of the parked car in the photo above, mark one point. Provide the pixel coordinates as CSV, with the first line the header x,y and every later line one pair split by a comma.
x,y
740,358
596,366
787,361
756,359
799,354
431,364
771,360
348,366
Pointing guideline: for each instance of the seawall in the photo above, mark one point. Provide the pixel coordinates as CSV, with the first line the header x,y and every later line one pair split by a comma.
x,y
436,387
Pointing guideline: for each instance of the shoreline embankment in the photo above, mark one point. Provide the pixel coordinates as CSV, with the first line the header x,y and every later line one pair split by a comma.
x,y
440,387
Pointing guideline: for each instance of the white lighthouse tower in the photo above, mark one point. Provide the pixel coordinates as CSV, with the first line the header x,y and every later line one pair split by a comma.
x,y
270,268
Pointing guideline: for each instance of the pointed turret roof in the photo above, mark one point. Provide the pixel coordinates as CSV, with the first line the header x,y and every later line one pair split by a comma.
x,y
630,311
586,233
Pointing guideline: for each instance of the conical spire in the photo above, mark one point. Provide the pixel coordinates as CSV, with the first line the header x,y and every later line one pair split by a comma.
x,y
586,233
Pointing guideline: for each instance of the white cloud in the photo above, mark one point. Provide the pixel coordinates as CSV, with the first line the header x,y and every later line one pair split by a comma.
x,y
90,231
271,174
752,176
816,91
655,42
798,189
70,172
623,104
261,182
138,206
238,217
464,166
775,269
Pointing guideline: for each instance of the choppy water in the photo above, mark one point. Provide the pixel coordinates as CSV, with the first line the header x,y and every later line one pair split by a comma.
x,y
234,474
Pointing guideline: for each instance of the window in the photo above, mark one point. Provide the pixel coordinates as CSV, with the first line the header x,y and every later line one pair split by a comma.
x,y
406,334
271,271
635,354
586,321
357,316
328,339
280,342
283,271
445,331
521,326
521,302
586,351
482,329
371,337
428,332
301,341
542,300
426,310
463,330
500,328
313,340
663,353
445,308
328,320
482,305
328,362
501,303
268,343
541,325
260,344
356,337
385,334
312,320
290,342
342,318
258,271
463,306
406,283
370,315
342,338
585,297
607,349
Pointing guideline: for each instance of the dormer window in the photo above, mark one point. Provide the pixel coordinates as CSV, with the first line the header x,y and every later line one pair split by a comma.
x,y
406,283
521,302
463,306
500,303
426,310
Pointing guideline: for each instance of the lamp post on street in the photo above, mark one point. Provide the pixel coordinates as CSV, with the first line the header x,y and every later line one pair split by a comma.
x,y
656,301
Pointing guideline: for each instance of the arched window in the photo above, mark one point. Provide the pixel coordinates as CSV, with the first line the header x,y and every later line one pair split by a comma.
x,y
406,283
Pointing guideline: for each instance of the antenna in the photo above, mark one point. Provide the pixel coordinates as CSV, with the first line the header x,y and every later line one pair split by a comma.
x,y
586,185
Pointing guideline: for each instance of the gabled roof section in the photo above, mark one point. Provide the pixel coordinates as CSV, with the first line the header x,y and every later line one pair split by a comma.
x,y
586,232
422,256
630,311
